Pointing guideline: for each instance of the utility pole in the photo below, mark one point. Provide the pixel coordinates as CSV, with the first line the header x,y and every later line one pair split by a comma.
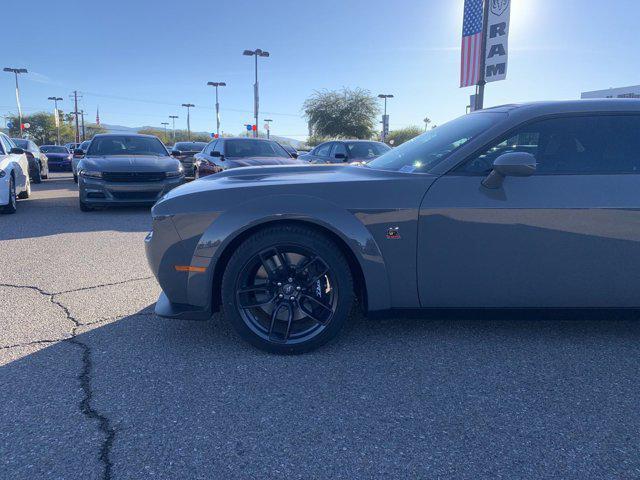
x,y
268,122
385,117
165,124
16,72
56,118
82,115
483,55
189,106
75,112
173,120
217,84
256,97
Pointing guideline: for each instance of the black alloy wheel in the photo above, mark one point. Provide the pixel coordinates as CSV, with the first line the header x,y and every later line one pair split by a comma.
x,y
287,289
11,207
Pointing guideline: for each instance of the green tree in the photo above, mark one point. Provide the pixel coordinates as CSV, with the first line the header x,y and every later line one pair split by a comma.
x,y
42,128
347,113
181,135
398,137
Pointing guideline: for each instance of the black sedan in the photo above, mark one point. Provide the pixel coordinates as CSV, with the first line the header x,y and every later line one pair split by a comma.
x,y
224,153
185,151
38,161
349,151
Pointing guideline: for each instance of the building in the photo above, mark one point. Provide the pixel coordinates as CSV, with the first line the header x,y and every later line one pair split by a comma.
x,y
622,92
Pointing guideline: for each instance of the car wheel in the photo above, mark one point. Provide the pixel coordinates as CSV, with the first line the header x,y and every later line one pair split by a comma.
x,y
287,289
37,174
75,178
27,193
84,207
11,207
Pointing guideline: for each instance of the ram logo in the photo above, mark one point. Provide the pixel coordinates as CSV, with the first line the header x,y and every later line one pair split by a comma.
x,y
498,7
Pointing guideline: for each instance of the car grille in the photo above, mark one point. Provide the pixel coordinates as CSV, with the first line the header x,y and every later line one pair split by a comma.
x,y
131,177
135,195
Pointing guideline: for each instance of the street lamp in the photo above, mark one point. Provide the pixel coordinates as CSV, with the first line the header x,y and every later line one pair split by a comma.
x,y
173,120
56,118
385,117
165,125
16,72
188,105
256,53
268,122
217,84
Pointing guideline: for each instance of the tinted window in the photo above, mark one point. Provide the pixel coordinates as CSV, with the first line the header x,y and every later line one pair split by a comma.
x,y
24,144
253,148
366,149
339,148
189,146
209,148
6,143
126,145
3,149
427,150
85,145
53,149
572,145
324,149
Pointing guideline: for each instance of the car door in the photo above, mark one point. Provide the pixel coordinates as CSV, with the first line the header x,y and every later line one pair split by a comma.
x,y
21,164
322,153
567,236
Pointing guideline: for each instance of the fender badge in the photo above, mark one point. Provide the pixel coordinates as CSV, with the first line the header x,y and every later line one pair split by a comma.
x,y
393,233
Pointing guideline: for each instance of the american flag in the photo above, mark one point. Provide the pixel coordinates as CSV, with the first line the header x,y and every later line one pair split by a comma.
x,y
471,43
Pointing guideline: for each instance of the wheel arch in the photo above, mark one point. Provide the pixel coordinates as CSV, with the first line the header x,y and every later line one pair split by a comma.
x,y
355,266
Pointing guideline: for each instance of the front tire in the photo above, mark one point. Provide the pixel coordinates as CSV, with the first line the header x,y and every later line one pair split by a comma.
x,y
11,207
75,178
84,207
287,289
27,193
37,174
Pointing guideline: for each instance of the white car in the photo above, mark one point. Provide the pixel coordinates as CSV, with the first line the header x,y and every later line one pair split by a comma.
x,y
14,175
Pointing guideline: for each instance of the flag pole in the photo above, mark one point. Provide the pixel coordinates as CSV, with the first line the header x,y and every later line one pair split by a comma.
x,y
483,55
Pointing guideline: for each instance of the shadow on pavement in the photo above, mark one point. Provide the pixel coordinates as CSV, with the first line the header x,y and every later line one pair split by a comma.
x,y
462,397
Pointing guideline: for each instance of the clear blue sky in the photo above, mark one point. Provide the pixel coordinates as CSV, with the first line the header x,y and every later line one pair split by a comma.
x,y
139,60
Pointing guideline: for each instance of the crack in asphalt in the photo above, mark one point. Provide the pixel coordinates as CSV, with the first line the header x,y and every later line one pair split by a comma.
x,y
84,377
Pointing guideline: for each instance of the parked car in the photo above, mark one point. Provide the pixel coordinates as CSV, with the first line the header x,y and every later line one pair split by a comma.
x,y
519,206
126,170
14,175
224,153
290,150
38,161
78,154
185,151
59,157
349,151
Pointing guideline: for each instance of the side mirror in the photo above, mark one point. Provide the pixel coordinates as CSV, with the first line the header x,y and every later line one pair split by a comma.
x,y
514,164
341,156
78,151
176,153
293,155
17,151
217,154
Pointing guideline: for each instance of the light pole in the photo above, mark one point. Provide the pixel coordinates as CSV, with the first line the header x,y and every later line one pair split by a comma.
x,y
217,84
256,53
385,117
173,120
165,124
56,118
268,122
16,72
188,105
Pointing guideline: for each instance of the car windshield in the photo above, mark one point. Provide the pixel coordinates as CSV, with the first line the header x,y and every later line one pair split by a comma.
x,y
85,145
189,146
53,149
366,149
126,145
20,142
427,150
253,148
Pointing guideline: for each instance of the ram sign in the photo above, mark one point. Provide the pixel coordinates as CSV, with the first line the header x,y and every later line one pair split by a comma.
x,y
497,40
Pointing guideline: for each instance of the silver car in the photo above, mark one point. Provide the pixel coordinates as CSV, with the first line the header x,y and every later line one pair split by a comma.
x,y
126,170
519,206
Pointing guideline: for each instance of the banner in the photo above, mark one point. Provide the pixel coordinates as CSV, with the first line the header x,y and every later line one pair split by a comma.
x,y
56,117
497,40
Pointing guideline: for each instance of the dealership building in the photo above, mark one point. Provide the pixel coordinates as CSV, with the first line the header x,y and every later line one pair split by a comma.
x,y
622,92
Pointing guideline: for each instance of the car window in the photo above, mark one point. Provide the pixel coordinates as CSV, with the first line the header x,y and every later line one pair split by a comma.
x,y
126,145
572,145
366,149
339,148
210,147
429,149
6,143
253,148
20,143
3,150
324,149
189,146
54,149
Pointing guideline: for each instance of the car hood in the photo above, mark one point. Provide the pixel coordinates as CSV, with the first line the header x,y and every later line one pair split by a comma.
x,y
259,161
124,163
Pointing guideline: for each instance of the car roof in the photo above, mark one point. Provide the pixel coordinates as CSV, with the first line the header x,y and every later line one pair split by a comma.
x,y
246,139
572,106
104,135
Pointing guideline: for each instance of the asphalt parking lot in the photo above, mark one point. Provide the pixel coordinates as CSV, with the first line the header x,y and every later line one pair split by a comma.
x,y
93,385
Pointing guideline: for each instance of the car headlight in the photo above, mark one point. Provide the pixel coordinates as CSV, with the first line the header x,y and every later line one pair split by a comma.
x,y
91,174
2,173
175,174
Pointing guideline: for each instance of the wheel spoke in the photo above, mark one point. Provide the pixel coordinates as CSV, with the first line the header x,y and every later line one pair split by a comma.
x,y
253,291
311,314
274,319
322,269
269,264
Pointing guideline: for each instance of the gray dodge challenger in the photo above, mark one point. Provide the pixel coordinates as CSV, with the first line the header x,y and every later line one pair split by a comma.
x,y
518,206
